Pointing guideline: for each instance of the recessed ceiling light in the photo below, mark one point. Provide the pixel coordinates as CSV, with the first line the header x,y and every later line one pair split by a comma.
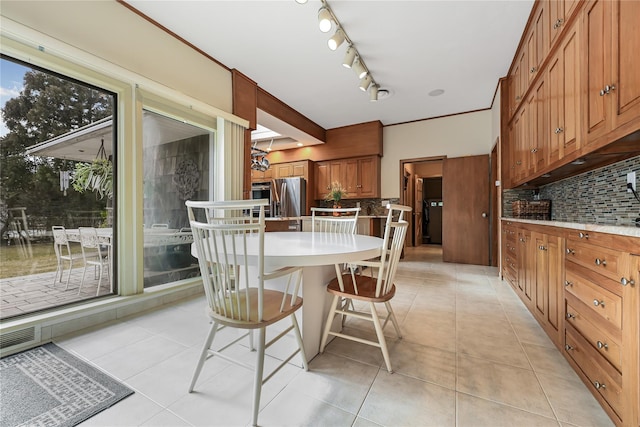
x,y
436,92
578,162
299,144
384,94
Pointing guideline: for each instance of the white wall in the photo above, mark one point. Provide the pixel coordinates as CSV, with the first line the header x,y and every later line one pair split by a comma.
x,y
454,136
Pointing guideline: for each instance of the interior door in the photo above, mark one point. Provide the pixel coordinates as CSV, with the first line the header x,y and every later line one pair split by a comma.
x,y
417,213
465,216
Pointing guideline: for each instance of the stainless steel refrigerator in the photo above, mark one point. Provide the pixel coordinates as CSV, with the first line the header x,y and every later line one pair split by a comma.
x,y
288,197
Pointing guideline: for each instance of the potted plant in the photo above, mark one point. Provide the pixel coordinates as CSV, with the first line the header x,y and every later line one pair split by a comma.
x,y
336,193
95,176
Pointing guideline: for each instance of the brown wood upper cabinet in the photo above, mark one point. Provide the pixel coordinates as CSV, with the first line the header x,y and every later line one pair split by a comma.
x,y
360,176
283,170
612,77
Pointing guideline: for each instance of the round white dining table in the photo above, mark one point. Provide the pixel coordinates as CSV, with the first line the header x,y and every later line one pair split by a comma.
x,y
317,253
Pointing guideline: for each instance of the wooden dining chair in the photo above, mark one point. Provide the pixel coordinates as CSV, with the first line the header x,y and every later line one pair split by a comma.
x,y
94,253
375,288
62,249
334,220
233,277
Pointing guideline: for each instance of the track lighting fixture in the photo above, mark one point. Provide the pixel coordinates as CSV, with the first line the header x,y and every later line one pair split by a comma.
x,y
359,69
373,93
352,59
349,57
336,40
365,82
324,19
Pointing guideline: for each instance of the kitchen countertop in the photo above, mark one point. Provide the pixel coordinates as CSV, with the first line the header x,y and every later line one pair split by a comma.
x,y
602,228
298,218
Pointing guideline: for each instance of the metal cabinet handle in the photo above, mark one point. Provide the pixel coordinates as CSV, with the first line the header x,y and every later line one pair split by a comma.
x,y
534,150
571,316
558,24
570,251
624,282
599,385
568,347
607,90
601,345
568,283
598,303
559,130
583,235
519,162
601,262
533,70
542,248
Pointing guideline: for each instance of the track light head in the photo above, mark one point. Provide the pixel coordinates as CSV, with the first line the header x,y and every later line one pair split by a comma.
x,y
349,57
324,19
336,40
359,69
373,93
365,82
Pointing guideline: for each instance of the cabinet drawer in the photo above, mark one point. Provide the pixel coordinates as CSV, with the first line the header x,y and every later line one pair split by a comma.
x,y
601,260
605,304
601,341
603,377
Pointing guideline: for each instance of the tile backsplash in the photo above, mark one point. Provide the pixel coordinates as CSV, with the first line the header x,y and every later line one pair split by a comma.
x,y
595,197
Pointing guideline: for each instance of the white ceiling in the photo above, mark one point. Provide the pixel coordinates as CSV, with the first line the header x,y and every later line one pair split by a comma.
x,y
410,47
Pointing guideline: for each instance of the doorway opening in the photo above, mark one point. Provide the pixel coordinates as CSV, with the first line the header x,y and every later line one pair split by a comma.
x,y
421,185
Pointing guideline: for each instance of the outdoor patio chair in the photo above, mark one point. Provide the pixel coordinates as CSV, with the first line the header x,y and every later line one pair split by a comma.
x,y
94,252
63,253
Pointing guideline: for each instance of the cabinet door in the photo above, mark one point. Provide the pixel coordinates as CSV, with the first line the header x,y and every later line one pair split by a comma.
x,y
299,169
541,134
542,40
626,61
571,90
597,25
531,143
542,279
532,57
555,108
352,178
283,170
368,177
556,19
323,179
555,254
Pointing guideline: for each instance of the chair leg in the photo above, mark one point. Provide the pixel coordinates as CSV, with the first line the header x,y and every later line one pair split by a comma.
x,y
327,326
392,313
203,354
68,275
99,280
84,271
296,329
257,382
381,338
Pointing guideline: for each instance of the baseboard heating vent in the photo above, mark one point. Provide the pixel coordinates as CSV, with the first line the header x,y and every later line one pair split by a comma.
x,y
20,338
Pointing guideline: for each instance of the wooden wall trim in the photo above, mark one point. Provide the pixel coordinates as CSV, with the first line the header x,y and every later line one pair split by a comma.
x,y
245,98
272,105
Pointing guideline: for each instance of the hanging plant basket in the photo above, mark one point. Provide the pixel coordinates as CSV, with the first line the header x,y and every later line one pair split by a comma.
x,y
96,176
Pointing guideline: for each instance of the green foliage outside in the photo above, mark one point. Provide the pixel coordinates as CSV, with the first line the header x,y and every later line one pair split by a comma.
x,y
48,106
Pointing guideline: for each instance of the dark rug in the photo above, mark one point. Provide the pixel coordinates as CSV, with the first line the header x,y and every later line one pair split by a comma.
x,y
47,386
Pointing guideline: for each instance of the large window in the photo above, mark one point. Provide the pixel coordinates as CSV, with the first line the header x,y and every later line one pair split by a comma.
x,y
177,167
56,179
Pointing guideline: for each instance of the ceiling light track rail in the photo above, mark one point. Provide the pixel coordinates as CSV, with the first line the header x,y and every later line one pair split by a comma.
x,y
352,58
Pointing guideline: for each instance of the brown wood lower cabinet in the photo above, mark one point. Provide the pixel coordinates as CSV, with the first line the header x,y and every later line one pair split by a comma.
x,y
583,288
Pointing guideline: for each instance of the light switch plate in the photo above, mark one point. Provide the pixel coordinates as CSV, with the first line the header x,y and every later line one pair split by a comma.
x,y
631,179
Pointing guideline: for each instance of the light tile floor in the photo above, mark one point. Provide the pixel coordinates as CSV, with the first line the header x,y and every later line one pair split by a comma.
x,y
471,355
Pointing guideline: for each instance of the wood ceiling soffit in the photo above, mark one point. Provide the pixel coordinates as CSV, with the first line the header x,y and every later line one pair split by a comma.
x,y
273,106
